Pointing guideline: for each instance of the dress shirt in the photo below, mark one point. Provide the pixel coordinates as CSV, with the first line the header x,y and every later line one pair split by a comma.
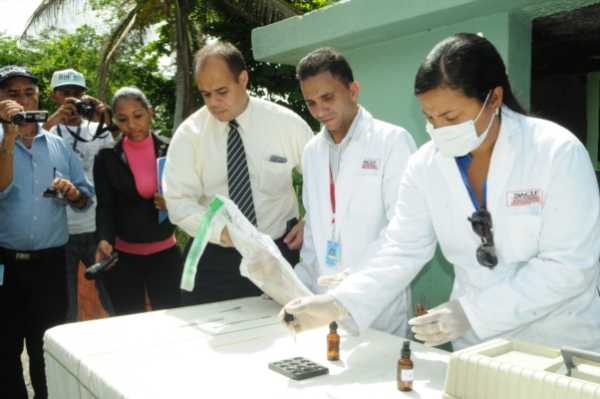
x,y
196,168
336,150
83,222
28,221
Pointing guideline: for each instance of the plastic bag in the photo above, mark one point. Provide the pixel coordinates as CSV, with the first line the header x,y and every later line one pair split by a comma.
x,y
262,261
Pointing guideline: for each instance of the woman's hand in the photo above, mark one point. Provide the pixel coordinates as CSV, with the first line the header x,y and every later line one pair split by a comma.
x,y
104,250
159,202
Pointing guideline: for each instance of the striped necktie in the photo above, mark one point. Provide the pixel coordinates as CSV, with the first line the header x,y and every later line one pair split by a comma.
x,y
240,191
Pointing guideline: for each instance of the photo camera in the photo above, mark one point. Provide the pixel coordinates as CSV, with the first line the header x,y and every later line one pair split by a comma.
x,y
85,108
29,117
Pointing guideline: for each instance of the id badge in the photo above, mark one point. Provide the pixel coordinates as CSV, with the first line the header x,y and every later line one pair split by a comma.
x,y
1,274
333,254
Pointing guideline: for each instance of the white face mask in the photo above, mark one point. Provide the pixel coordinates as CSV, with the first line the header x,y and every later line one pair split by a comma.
x,y
459,140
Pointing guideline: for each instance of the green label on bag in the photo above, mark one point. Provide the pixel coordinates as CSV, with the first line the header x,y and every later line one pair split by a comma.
x,y
199,244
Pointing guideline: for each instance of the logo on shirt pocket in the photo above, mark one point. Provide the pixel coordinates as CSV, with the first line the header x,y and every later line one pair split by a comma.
x,y
371,164
525,197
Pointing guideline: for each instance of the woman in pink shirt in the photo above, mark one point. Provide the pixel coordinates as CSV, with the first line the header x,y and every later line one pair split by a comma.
x,y
127,215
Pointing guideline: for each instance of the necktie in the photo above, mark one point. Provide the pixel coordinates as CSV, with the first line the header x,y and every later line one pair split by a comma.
x,y
240,191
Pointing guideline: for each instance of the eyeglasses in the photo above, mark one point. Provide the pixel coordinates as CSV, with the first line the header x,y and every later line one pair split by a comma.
x,y
481,221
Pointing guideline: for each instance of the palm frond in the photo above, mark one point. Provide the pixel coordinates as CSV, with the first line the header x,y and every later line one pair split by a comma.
x,y
49,12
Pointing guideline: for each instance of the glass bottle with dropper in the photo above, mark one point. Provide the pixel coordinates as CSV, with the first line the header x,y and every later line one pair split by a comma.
x,y
420,310
333,342
405,369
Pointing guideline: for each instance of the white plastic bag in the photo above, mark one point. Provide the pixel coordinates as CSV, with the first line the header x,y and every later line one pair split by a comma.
x,y
262,261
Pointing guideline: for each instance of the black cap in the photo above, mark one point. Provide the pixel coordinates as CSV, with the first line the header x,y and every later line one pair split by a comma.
x,y
14,71
333,326
405,349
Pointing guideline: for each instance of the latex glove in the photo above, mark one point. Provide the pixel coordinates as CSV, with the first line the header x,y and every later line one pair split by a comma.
x,y
333,280
441,324
312,312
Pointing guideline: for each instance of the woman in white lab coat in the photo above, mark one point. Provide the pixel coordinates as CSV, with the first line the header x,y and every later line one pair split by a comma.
x,y
513,203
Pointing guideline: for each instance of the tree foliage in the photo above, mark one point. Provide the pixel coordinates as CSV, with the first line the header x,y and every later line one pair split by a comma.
x,y
187,24
56,49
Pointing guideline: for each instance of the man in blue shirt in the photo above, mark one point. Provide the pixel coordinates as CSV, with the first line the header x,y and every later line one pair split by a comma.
x,y
33,231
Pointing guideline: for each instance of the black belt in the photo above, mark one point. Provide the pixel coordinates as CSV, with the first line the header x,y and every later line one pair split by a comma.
x,y
28,256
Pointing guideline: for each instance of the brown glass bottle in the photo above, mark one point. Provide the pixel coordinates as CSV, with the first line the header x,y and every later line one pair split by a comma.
x,y
333,342
405,369
420,310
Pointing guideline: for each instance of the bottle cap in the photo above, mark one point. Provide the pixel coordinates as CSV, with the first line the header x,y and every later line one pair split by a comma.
x,y
288,317
405,349
333,326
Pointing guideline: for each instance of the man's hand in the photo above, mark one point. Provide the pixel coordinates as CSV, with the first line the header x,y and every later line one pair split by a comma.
x,y
66,188
312,312
100,110
7,109
70,192
66,113
295,237
333,280
226,238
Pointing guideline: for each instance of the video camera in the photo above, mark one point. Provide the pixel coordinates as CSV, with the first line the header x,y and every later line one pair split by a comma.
x,y
29,117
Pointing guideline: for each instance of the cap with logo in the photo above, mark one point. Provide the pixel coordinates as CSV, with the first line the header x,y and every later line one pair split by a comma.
x,y
14,71
68,77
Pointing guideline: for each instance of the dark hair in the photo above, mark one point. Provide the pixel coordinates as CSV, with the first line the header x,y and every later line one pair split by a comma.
x,y
469,63
131,92
232,56
322,60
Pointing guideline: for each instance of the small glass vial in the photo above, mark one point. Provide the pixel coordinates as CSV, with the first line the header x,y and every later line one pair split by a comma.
x,y
420,310
333,342
405,369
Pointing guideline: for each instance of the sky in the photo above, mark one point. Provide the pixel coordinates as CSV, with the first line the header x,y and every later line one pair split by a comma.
x,y
16,13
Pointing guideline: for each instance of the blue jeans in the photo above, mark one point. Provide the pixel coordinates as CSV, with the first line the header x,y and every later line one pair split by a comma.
x,y
82,247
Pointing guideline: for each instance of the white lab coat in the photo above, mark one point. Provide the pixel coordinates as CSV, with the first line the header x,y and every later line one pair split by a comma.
x,y
545,287
366,192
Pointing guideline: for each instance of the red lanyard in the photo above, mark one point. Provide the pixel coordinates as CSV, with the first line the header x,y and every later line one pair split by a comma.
x,y
332,194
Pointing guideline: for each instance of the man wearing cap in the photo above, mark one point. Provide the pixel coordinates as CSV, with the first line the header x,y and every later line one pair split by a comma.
x,y
33,231
85,138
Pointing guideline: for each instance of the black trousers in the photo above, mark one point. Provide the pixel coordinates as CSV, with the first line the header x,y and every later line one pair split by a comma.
x,y
132,275
218,275
33,299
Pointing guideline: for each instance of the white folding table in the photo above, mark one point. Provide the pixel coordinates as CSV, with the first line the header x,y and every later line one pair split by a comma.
x,y
222,350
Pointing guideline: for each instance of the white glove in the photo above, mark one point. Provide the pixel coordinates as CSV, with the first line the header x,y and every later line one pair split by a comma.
x,y
333,280
312,312
441,324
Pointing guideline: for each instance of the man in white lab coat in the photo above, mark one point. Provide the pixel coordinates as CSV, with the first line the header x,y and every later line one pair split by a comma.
x,y
352,171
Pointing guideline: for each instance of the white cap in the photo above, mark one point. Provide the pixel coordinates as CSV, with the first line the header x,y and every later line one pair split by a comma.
x,y
68,77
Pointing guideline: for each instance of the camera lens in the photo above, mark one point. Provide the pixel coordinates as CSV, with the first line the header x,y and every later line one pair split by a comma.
x,y
18,118
85,108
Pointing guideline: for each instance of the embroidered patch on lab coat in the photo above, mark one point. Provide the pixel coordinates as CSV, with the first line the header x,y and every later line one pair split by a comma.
x,y
525,197
371,164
